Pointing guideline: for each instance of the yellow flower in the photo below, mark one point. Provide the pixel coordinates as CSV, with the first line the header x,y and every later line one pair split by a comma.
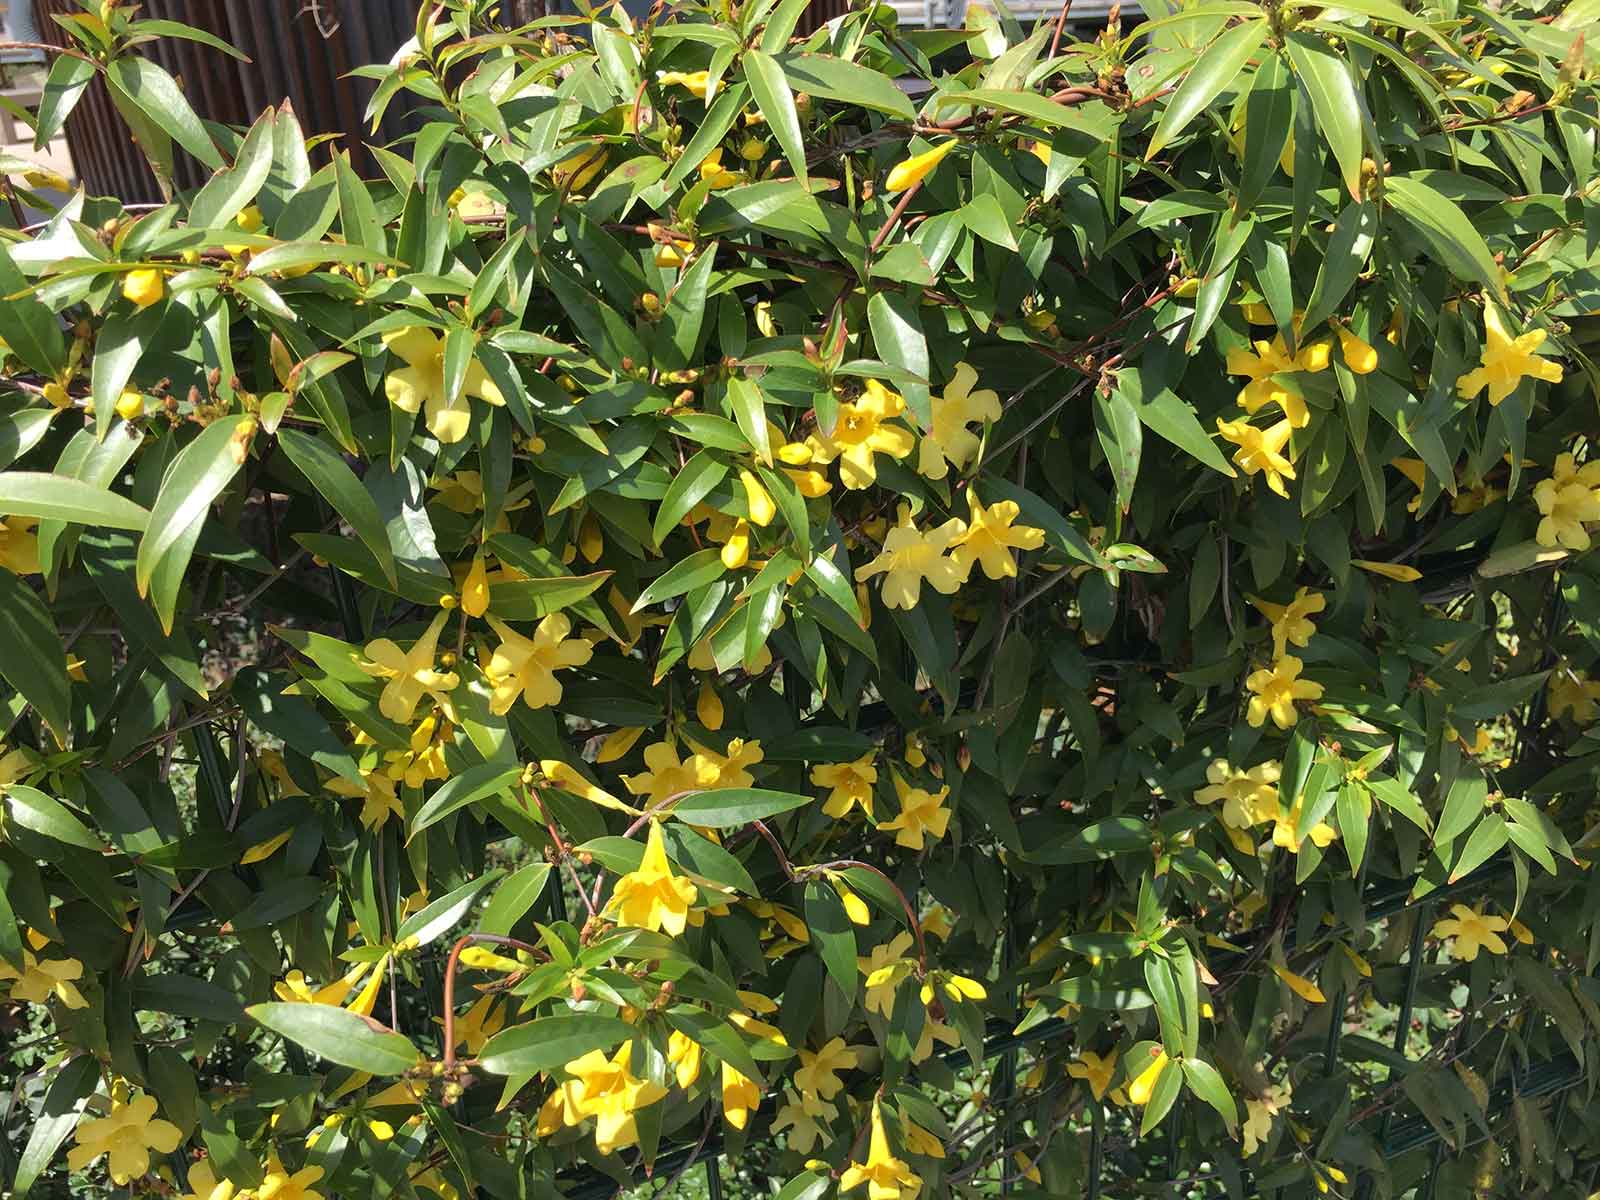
x,y
1259,1113
1095,1071
910,556
130,404
1283,833
683,1052
757,499
378,799
1506,361
1260,450
566,777
1567,470
575,172
425,759
282,1184
1291,623
798,1115
1248,797
921,814
708,709
740,1097
1563,509
204,1184
1469,931
884,968
653,897
851,785
1299,985
817,1073
475,588
991,537
144,287
527,667
1276,689
714,174
295,989
862,431
410,673
668,776
127,1135
1140,1089
933,1031
479,1023
949,441
736,550
886,1177
732,769
1273,359
697,82
1573,692
14,764
420,383
42,978
914,170
608,1090
19,548
1359,356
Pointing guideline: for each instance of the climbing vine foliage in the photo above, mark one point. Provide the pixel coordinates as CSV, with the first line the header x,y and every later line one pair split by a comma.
x,y
936,611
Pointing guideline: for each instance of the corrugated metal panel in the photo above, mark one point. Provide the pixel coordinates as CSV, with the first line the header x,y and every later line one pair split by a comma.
x,y
300,49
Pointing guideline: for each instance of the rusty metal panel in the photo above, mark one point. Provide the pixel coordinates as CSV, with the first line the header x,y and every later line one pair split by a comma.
x,y
300,51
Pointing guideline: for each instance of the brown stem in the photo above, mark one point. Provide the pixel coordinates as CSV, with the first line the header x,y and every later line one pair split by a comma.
x,y
1061,24
453,962
894,217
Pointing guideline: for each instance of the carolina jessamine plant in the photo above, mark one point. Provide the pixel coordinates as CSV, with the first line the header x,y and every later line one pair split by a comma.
x,y
736,566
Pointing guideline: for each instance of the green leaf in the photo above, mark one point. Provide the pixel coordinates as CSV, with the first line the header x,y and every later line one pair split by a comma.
x,y
689,486
70,1086
728,808
337,483
513,898
1393,794
1335,102
63,88
33,660
157,95
1102,839
1268,121
197,476
686,308
750,411
31,330
358,216
1164,991
339,1036
467,787
724,111
696,570
1486,841
45,815
1023,104
833,935
549,1043
293,719
1348,249
770,87
230,190
1205,1082
61,498
897,334
835,79
1162,1097
286,256
1217,68
1447,231
443,914
1355,817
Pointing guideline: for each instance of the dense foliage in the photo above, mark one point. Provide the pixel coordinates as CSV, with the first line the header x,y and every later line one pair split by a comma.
x,y
733,567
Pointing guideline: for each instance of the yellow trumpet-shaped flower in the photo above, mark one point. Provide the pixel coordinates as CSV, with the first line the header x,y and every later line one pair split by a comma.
x,y
757,499
817,1074
861,432
204,1184
526,667
1276,689
798,1115
1257,1126
1564,508
1506,361
740,1096
668,776
378,799
283,1184
144,287
884,968
1468,931
991,537
1249,796
653,897
475,588
914,170
736,550
41,978
683,1052
1399,572
1144,1084
410,673
421,383
851,785
696,82
911,556
1260,451
1359,355
886,1177
1291,622
1270,360
1573,692
126,1136
1284,833
607,1089
1095,1071
922,815
19,547
949,442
